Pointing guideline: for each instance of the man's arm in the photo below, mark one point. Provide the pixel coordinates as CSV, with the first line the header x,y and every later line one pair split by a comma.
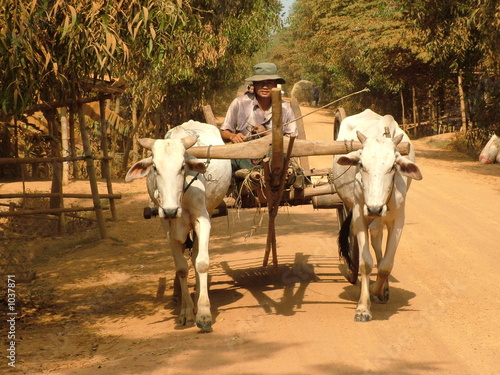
x,y
228,130
288,115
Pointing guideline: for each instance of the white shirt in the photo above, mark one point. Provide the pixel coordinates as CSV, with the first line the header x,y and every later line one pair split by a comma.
x,y
244,112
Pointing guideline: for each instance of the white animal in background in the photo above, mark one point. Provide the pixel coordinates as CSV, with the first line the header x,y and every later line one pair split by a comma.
x,y
491,152
186,190
373,182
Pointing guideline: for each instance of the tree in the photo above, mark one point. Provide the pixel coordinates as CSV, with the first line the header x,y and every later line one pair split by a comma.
x,y
461,38
174,52
347,45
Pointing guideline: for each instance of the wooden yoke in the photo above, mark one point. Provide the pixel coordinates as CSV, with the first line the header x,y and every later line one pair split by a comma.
x,y
257,148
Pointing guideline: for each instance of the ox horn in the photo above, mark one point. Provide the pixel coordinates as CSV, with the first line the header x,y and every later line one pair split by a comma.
x,y
361,136
397,140
147,142
189,141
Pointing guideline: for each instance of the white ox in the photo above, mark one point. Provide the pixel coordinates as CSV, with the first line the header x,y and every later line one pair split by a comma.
x,y
186,191
373,182
491,152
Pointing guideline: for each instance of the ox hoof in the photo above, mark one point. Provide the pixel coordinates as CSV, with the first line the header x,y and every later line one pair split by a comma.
x,y
204,323
185,320
362,317
384,297
380,295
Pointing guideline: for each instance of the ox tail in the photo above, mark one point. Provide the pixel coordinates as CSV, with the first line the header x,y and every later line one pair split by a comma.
x,y
343,240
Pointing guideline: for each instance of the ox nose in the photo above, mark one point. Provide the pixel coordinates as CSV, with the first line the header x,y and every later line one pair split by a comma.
x,y
170,213
374,210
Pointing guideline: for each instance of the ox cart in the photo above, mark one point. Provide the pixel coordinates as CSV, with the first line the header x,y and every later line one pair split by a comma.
x,y
279,181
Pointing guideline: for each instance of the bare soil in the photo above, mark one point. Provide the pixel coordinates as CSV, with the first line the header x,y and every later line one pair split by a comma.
x,y
93,309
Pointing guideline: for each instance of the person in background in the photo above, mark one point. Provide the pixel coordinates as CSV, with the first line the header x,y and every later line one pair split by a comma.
x,y
316,95
252,114
249,89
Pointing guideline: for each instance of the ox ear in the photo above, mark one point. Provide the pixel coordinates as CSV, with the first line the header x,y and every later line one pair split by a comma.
x,y
408,168
397,139
195,165
351,158
139,169
147,142
361,136
189,141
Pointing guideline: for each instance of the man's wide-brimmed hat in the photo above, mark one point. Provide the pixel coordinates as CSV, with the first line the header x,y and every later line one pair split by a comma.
x,y
265,71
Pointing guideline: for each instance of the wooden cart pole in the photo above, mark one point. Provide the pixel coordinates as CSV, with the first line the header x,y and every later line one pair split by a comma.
x,y
277,136
91,172
106,163
274,174
275,194
209,115
304,160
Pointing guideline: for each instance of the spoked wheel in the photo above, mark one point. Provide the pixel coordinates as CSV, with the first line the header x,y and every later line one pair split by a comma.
x,y
349,272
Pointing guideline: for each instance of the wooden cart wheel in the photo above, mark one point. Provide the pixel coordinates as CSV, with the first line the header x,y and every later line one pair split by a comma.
x,y
339,116
350,273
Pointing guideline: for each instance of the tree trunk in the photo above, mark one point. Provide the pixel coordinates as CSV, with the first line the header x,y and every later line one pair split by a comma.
x,y
416,118
130,141
65,144
402,110
72,140
462,101
432,112
105,163
91,173
56,201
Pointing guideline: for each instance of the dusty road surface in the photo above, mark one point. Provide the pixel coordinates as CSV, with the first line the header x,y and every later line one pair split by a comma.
x,y
94,310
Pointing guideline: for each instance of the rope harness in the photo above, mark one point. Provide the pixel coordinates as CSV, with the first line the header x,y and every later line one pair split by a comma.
x,y
208,177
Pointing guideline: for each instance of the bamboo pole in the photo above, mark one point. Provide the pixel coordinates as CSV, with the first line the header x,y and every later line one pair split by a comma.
x,y
65,144
105,164
65,103
56,200
48,160
48,211
65,195
91,172
73,142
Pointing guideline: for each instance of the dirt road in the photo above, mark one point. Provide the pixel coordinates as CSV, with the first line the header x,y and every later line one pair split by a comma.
x,y
96,309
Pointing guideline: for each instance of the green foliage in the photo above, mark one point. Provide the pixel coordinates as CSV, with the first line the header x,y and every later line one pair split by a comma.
x,y
394,46
48,48
166,50
464,36
344,46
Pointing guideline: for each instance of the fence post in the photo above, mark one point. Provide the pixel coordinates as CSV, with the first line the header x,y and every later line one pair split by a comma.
x,y
91,172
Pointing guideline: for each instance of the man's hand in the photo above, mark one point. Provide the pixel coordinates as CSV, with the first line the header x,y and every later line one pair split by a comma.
x,y
238,138
259,129
229,136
